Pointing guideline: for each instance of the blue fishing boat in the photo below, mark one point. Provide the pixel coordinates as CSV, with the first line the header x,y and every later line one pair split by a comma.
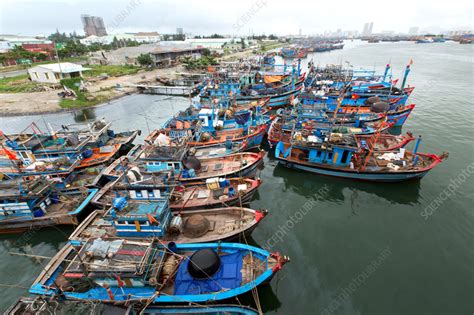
x,y
35,204
125,271
361,162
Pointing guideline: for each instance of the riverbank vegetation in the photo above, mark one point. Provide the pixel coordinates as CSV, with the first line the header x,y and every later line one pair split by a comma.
x,y
111,70
19,84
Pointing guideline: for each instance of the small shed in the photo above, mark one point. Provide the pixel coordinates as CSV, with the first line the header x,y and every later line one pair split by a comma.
x,y
54,72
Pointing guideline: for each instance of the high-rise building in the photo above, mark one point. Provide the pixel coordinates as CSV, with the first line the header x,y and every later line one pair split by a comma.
x,y
371,27
413,30
93,25
365,30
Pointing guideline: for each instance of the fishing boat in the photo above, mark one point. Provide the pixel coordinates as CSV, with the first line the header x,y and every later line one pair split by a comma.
x,y
212,193
269,59
123,271
126,173
100,134
13,167
293,52
100,155
144,219
398,116
221,126
278,97
35,204
355,162
85,177
283,131
243,164
203,151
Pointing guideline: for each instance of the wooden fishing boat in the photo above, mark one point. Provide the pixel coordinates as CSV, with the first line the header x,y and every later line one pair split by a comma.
x,y
149,271
253,137
214,192
281,131
100,155
100,134
15,168
133,174
243,164
200,226
37,204
354,162
385,141
277,97
397,116
85,177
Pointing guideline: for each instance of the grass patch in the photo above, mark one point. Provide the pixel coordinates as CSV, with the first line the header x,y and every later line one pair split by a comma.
x,y
18,84
111,70
83,99
82,102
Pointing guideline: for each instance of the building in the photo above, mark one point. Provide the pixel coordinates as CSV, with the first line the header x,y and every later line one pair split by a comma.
x,y
93,25
141,37
371,28
121,56
365,30
179,31
168,53
53,73
33,44
217,44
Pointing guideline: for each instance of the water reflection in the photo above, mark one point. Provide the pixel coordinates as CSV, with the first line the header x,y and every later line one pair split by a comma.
x,y
306,184
84,115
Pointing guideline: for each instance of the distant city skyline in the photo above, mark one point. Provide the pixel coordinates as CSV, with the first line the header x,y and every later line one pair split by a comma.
x,y
29,17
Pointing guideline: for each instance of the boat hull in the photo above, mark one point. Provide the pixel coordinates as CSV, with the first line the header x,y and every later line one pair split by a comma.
x,y
363,176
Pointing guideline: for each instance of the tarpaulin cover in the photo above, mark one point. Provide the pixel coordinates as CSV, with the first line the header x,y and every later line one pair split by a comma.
x,y
228,276
242,118
272,78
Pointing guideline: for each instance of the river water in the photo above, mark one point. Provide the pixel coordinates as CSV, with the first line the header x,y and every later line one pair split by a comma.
x,y
357,248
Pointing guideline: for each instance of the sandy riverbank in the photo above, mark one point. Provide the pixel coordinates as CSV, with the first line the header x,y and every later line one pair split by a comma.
x,y
18,104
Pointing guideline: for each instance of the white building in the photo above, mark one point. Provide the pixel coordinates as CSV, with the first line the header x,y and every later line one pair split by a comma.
x,y
53,73
7,42
141,37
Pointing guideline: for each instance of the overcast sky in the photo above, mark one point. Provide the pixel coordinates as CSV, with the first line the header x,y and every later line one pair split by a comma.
x,y
35,17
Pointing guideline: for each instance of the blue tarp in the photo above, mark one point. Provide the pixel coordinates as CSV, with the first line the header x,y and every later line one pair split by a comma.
x,y
242,118
227,277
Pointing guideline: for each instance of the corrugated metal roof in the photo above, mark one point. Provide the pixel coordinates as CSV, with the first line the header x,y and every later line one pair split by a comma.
x,y
63,67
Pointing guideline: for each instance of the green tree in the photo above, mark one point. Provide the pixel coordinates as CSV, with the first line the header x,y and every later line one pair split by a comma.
x,y
242,43
145,60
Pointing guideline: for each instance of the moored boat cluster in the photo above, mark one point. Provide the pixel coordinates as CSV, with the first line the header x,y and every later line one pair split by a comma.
x,y
166,222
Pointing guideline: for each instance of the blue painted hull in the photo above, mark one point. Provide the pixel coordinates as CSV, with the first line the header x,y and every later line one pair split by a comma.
x,y
142,291
365,176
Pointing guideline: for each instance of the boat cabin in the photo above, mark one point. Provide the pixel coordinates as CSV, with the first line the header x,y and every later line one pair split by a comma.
x,y
143,213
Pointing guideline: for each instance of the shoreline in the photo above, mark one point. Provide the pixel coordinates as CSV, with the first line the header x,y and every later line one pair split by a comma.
x,y
65,110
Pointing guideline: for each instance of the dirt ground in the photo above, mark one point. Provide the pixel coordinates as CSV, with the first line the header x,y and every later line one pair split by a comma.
x,y
46,102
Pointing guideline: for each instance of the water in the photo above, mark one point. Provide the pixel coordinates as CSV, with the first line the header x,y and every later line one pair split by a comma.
x,y
362,248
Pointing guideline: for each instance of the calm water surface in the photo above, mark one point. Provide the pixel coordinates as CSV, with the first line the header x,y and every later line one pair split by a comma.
x,y
362,248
